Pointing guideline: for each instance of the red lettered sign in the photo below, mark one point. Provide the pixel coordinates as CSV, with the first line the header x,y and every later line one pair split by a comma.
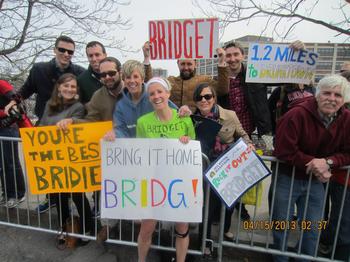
x,y
187,38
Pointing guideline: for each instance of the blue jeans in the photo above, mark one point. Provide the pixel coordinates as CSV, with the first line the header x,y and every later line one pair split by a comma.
x,y
298,197
328,237
11,174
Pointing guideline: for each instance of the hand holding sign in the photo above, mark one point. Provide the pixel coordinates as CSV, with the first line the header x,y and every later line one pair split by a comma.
x,y
152,179
146,52
235,172
275,63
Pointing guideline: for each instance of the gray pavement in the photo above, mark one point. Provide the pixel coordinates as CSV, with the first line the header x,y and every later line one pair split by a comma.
x,y
25,245
17,244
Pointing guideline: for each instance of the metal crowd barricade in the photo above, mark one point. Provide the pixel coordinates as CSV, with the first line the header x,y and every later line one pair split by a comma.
x,y
122,232
262,240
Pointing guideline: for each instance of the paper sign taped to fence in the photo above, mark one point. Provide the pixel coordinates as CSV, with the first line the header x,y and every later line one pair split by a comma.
x,y
275,63
235,172
187,38
64,160
152,179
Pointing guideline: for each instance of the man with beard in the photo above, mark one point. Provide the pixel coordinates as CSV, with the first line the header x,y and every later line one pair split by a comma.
x,y
182,86
102,103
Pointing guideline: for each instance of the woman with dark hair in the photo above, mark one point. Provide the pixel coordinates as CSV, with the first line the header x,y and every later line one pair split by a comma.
x,y
204,97
64,103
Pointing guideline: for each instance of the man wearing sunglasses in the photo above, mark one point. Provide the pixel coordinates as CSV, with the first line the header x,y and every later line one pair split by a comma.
x,y
43,76
102,103
41,80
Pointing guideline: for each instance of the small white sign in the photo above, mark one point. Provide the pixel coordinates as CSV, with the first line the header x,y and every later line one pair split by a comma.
x,y
235,172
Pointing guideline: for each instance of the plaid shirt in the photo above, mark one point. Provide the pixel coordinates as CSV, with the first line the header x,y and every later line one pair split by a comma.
x,y
238,103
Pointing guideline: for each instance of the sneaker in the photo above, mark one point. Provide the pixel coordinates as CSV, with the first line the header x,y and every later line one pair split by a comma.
x,y
244,213
228,236
13,202
95,213
102,235
44,206
21,199
324,249
2,201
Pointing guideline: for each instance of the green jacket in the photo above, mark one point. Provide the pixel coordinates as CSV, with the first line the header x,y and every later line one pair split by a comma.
x,y
88,83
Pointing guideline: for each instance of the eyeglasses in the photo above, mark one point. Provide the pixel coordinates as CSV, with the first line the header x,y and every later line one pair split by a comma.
x,y
206,97
109,73
63,50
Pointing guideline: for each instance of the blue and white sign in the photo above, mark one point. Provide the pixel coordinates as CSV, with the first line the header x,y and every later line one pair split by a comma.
x,y
276,63
235,172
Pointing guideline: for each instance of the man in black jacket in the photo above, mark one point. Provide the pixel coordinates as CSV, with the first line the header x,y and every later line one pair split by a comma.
x,y
43,76
248,100
89,81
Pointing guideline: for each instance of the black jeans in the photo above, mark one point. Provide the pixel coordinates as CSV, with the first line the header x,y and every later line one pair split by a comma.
x,y
11,173
81,202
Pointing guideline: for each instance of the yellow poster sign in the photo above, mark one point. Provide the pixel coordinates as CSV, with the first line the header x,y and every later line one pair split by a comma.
x,y
64,160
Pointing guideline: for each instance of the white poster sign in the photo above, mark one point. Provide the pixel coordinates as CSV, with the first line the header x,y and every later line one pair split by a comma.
x,y
187,38
275,63
152,179
235,172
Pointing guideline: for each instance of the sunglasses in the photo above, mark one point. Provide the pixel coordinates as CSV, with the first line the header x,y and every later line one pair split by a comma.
x,y
206,97
63,50
109,73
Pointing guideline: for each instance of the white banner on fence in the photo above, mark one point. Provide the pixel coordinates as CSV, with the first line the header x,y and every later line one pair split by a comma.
x,y
187,38
235,172
152,179
275,63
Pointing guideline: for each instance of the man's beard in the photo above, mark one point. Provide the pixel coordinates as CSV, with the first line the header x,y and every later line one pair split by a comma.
x,y
185,75
116,88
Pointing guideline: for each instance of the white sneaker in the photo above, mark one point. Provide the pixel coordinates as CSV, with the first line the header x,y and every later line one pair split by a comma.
x,y
13,202
2,201
21,199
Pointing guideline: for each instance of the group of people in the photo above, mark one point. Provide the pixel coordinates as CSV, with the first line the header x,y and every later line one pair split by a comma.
x,y
310,134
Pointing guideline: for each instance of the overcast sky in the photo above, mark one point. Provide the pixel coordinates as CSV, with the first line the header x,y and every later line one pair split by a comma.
x,y
142,11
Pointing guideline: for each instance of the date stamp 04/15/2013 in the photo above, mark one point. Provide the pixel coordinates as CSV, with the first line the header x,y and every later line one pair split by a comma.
x,y
305,225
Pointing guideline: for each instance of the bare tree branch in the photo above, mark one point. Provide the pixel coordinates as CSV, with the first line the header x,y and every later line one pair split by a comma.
x,y
292,11
29,28
21,39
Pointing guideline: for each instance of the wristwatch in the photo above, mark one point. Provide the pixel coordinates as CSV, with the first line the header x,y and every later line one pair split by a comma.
x,y
329,162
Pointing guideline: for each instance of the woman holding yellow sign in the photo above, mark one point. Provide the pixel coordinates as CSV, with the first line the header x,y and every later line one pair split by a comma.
x,y
64,103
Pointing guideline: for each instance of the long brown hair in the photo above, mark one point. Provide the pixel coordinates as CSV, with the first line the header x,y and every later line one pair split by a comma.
x,y
56,103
